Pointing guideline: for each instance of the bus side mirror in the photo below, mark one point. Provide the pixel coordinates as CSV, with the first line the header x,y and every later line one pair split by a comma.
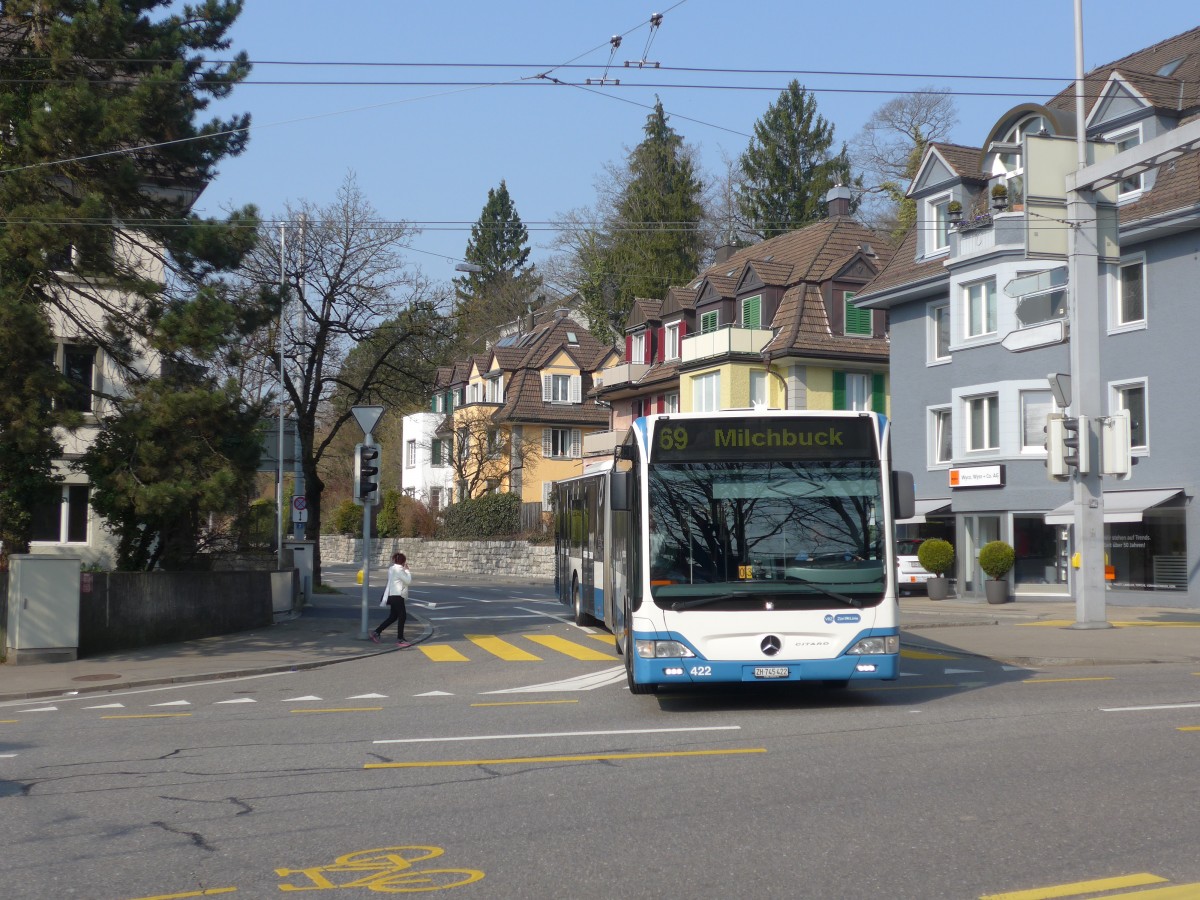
x,y
618,491
904,504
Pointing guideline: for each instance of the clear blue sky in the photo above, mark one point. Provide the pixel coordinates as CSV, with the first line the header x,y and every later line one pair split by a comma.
x,y
428,154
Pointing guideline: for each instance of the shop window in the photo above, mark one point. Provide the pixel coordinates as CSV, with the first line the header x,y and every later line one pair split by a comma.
x,y
1150,555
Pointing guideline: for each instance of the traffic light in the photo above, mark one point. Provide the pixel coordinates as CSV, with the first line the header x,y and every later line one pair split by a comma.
x,y
366,472
1075,443
1116,451
1056,463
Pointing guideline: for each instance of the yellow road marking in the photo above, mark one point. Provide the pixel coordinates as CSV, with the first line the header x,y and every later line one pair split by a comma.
x,y
604,639
205,893
151,716
589,757
1174,892
1190,728
1081,887
569,648
1056,680
346,709
923,654
9,721
525,703
502,648
442,653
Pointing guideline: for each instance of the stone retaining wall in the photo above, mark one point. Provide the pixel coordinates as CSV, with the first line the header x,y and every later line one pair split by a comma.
x,y
518,559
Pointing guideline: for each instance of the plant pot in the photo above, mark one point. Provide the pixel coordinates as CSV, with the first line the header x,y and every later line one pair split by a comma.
x,y
996,590
938,587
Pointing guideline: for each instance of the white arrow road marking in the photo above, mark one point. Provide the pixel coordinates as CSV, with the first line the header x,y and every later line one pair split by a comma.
x,y
962,672
173,703
434,694
107,706
588,682
556,618
298,699
546,734
7,755
40,709
368,697
1012,668
238,700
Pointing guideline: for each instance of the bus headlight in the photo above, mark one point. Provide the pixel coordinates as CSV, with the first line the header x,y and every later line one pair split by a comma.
x,y
875,645
662,649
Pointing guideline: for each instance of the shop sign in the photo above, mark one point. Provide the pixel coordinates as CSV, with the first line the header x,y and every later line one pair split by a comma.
x,y
977,476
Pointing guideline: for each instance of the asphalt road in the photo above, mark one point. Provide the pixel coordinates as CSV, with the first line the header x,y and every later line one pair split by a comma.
x,y
515,777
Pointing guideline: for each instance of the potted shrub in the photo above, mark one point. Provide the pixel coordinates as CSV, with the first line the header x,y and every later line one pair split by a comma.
x,y
954,212
937,557
1000,196
996,558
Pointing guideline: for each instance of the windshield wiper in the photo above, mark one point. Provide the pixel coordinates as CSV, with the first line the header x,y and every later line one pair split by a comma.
x,y
680,605
833,595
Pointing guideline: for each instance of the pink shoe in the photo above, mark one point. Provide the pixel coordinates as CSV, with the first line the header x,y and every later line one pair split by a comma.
x,y
403,645
374,637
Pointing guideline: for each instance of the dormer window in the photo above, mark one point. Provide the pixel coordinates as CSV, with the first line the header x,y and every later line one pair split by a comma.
x,y
1007,161
938,213
752,312
637,353
1127,140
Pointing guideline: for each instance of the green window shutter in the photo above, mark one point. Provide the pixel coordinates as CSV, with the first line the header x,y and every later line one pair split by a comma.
x,y
839,390
752,312
709,321
878,399
858,321
433,404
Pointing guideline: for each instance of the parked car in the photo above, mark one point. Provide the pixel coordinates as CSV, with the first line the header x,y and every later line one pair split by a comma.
x,y
910,574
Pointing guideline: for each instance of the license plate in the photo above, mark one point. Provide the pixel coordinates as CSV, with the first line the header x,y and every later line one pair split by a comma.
x,y
771,671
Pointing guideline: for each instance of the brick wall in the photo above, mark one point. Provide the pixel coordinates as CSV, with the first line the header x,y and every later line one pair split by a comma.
x,y
518,559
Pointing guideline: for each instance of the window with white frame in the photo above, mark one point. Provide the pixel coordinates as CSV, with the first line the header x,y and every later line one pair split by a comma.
x,y
672,336
983,422
547,493
61,517
710,321
758,388
79,367
438,453
1035,407
494,443
435,498
942,437
1130,397
637,353
561,388
937,210
1130,308
752,312
980,302
1127,140
495,389
706,392
858,321
858,391
562,443
671,403
410,454
939,333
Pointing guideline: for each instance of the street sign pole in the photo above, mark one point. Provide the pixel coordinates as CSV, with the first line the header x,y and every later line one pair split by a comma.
x,y
367,417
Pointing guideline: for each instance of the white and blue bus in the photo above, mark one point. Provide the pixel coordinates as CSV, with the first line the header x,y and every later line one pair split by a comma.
x,y
740,546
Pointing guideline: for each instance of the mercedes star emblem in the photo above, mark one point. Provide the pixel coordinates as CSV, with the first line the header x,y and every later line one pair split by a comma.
x,y
771,645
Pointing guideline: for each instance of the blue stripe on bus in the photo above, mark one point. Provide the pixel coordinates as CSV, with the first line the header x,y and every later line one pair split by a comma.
x,y
698,670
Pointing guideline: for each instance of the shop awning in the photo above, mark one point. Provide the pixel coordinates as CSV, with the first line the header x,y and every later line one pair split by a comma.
x,y
1119,506
925,508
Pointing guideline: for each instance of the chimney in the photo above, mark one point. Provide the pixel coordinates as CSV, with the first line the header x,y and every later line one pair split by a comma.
x,y
723,253
561,312
838,199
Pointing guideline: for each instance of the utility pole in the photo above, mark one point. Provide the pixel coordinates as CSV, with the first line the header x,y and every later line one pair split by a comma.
x,y
282,392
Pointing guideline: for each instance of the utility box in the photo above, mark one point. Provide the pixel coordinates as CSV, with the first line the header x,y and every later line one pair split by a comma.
x,y
43,608
302,559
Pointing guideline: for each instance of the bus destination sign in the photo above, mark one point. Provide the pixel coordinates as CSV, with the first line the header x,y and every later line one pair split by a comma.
x,y
759,438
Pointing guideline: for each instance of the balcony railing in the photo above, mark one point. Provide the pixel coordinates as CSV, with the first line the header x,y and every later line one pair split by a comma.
x,y
724,341
623,374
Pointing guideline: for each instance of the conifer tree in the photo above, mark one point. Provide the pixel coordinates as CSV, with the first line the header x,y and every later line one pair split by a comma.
x,y
788,167
101,158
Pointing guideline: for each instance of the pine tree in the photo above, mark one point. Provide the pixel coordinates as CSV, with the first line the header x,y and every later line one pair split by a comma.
x,y
101,158
653,237
788,168
500,293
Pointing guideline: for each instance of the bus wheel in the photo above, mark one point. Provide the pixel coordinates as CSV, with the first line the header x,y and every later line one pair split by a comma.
x,y
581,618
635,687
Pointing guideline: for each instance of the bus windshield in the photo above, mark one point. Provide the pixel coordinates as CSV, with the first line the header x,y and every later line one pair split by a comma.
x,y
795,534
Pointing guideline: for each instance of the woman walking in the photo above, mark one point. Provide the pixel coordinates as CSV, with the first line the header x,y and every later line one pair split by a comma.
x,y
394,594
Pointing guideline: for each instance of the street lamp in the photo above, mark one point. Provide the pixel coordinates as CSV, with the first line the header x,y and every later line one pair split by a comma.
x,y
468,267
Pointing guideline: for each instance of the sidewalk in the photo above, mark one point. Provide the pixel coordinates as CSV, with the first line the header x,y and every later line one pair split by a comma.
x,y
1025,633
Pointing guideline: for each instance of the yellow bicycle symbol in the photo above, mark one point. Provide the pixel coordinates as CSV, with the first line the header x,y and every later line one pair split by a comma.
x,y
388,870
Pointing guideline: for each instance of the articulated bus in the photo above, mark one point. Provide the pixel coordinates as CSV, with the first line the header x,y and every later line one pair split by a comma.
x,y
740,546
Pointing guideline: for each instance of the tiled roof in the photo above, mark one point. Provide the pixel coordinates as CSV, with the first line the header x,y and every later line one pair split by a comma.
x,y
1178,92
1176,189
807,330
772,273
967,162
679,298
645,310
523,403
904,269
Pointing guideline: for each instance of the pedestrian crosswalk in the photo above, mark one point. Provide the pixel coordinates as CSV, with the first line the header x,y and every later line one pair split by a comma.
x,y
520,648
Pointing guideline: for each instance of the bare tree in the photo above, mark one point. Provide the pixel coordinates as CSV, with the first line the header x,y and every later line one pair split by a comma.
x,y
889,149
360,327
483,451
